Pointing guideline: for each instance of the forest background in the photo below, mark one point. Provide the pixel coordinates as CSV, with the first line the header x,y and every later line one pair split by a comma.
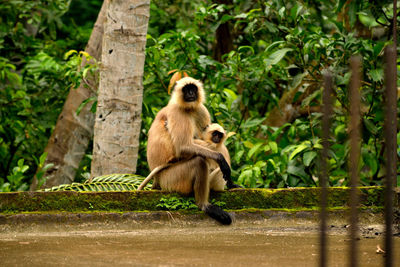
x,y
261,63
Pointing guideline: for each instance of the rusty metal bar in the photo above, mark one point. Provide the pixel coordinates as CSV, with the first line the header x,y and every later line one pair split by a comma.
x,y
324,178
355,84
395,23
391,146
390,136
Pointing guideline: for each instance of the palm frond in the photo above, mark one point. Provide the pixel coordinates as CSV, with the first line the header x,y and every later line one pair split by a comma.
x,y
105,183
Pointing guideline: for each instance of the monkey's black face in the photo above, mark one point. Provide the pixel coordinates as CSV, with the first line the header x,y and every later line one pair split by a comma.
x,y
216,137
190,92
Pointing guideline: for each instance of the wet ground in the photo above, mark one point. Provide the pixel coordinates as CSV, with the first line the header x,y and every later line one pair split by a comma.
x,y
215,245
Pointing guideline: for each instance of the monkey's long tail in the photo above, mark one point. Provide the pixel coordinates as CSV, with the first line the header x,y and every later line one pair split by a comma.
x,y
151,175
157,170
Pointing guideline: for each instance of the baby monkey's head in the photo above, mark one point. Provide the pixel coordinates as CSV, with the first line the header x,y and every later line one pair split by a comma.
x,y
214,133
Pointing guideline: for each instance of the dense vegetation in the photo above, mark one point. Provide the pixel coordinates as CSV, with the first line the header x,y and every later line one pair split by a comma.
x,y
261,63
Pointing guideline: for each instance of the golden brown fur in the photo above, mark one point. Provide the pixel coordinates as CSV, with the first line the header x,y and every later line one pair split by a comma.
x,y
174,141
217,183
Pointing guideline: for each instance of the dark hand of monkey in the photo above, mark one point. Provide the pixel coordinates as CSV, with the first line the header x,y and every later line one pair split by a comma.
x,y
231,185
225,168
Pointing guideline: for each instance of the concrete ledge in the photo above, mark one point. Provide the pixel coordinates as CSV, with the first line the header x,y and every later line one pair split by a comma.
x,y
370,222
238,199
294,209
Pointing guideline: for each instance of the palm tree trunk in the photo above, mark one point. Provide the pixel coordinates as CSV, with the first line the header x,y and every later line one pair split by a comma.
x,y
72,133
117,123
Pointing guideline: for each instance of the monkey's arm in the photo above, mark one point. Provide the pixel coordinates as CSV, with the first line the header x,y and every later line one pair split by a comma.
x,y
225,154
204,143
198,150
182,133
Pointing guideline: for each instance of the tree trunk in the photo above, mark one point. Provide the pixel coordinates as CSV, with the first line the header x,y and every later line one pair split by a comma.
x,y
223,37
288,110
223,41
70,138
117,123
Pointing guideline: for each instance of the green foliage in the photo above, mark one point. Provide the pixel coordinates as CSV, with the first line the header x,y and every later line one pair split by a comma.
x,y
105,183
15,179
181,203
34,81
278,48
177,203
41,170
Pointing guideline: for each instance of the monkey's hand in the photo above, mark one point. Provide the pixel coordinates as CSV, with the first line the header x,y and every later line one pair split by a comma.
x,y
225,168
231,185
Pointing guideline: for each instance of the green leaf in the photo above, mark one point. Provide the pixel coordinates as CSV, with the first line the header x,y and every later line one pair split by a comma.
x,y
230,94
274,147
367,20
308,157
273,45
254,149
69,53
238,155
225,18
107,183
292,181
276,57
378,47
371,161
243,49
272,162
20,163
340,130
241,16
253,122
376,75
42,158
295,11
83,104
298,171
318,146
370,126
281,12
245,177
298,149
24,168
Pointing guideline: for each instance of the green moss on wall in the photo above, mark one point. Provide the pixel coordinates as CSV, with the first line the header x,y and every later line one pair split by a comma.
x,y
293,198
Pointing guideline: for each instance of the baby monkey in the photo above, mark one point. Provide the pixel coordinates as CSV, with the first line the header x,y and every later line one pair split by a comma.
x,y
213,137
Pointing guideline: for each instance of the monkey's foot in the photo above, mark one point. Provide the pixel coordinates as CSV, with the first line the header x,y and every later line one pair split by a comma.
x,y
218,214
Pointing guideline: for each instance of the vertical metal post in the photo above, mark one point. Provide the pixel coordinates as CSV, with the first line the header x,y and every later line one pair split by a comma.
x,y
390,136
395,23
391,146
355,84
327,113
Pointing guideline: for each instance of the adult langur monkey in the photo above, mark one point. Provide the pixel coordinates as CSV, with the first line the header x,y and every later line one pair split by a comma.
x,y
186,117
213,138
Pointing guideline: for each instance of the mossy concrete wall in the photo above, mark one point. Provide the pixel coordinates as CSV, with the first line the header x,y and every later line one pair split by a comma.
x,y
238,199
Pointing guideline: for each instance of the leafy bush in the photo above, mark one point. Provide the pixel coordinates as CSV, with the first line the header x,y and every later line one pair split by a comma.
x,y
34,81
279,51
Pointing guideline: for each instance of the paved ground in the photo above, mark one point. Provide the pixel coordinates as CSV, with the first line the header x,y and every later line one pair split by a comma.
x,y
176,246
272,238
